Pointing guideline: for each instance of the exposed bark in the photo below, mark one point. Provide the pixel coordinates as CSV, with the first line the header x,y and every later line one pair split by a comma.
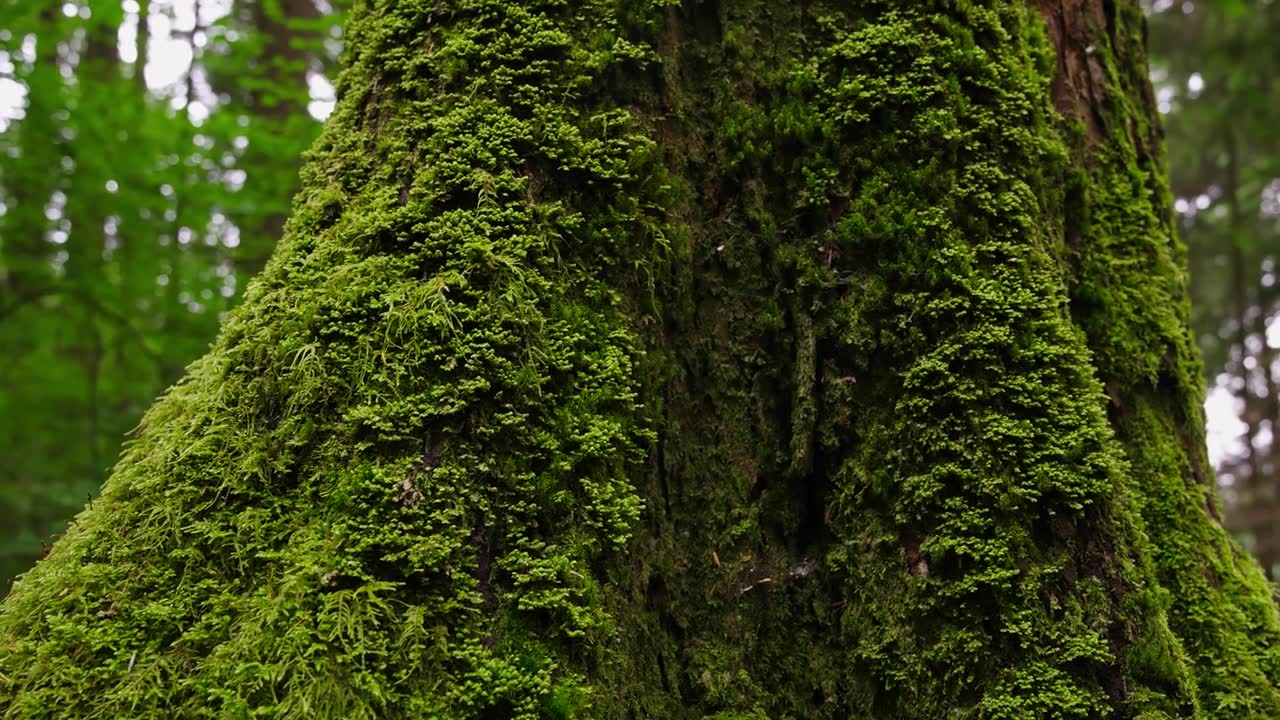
x,y
728,360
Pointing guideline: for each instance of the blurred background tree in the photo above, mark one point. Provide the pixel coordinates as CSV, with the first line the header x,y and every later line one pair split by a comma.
x,y
148,153
1215,64
149,150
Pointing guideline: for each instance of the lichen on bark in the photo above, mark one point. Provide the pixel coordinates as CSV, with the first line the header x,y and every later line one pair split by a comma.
x,y
631,358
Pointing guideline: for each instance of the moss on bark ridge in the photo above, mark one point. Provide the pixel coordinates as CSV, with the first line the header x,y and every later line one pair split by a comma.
x,y
632,359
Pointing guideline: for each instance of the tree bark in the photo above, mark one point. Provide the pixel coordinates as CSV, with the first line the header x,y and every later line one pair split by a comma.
x,y
685,360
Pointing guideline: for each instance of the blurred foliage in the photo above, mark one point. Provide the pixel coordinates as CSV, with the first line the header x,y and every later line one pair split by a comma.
x,y
1215,67
132,213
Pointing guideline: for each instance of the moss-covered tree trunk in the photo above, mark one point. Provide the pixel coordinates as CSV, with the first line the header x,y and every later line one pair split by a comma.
x,y
647,359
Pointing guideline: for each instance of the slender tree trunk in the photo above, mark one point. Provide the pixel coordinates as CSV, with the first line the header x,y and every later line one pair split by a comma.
x,y
26,255
1258,504
86,283
141,50
277,105
687,360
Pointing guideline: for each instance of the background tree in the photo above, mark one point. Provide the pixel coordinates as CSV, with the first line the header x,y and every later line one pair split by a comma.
x,y
687,360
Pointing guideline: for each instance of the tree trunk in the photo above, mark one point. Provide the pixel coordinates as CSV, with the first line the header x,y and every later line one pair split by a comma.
x,y
276,105
662,360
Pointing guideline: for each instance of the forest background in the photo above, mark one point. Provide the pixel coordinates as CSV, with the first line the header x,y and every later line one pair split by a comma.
x,y
149,150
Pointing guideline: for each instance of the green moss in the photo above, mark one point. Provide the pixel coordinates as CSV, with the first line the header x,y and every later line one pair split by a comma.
x,y
423,414
1128,294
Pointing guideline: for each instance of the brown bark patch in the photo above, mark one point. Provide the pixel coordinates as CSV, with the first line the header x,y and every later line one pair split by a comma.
x,y
917,565
1080,84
